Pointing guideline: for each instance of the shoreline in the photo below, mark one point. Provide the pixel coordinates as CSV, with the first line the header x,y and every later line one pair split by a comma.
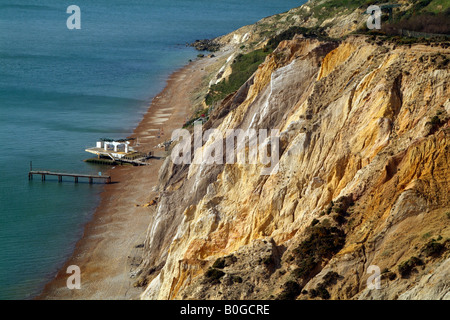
x,y
111,242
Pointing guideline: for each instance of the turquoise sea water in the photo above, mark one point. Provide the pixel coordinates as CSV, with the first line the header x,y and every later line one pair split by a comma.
x,y
61,90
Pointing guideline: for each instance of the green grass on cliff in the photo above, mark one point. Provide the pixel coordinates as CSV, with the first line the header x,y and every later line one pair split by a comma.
x,y
426,16
243,67
438,6
246,64
331,8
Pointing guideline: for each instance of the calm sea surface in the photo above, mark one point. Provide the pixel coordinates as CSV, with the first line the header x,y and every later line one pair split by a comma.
x,y
61,90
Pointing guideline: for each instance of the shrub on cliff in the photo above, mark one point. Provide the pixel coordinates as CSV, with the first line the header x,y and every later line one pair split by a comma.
x,y
387,274
236,279
219,263
340,215
436,122
323,243
291,290
406,267
330,278
433,248
305,267
213,275
320,291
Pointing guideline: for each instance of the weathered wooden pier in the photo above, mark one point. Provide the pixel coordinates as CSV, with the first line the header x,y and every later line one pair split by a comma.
x,y
60,175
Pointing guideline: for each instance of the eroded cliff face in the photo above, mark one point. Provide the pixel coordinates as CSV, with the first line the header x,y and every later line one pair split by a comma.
x,y
364,162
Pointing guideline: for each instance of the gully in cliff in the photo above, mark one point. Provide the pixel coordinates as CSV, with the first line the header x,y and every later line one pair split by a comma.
x,y
262,149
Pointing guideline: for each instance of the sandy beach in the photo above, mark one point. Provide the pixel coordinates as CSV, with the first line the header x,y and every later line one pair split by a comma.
x,y
111,244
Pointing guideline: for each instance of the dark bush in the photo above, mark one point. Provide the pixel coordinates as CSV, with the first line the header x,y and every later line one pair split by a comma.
x,y
435,121
219,263
339,218
323,293
330,207
236,279
406,267
267,261
391,275
386,273
320,291
305,268
330,278
433,248
214,275
322,243
291,290
340,210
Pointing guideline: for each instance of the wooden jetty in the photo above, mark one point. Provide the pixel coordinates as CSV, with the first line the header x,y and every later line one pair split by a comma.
x,y
60,175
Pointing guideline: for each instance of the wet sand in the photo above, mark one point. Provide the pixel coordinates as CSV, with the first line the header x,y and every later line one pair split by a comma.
x,y
110,245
